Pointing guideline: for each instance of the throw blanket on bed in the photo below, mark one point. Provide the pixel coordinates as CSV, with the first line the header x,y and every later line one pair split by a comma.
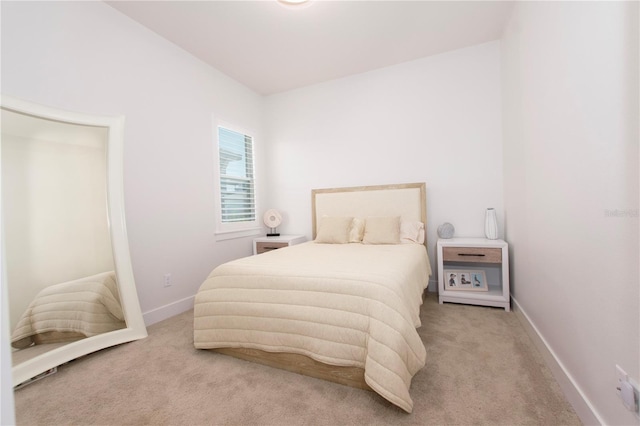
x,y
71,310
341,304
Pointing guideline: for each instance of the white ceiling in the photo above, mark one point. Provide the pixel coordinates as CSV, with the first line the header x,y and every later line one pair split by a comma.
x,y
272,48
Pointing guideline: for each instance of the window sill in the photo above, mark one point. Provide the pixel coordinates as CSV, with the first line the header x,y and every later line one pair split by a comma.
x,y
230,235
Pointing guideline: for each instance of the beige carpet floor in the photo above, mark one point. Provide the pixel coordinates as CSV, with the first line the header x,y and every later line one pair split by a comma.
x,y
481,368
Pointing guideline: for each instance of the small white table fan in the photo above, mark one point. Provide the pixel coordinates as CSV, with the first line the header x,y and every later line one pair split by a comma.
x,y
272,219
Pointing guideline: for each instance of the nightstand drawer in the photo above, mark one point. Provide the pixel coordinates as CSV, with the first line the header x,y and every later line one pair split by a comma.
x,y
262,247
472,254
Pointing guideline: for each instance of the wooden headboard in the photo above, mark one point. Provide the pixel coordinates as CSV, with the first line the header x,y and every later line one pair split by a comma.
x,y
405,200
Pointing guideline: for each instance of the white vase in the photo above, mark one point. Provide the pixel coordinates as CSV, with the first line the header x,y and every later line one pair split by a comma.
x,y
491,224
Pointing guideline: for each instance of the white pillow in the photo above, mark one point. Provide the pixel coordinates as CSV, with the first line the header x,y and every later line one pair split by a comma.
x,y
334,230
411,232
382,230
356,232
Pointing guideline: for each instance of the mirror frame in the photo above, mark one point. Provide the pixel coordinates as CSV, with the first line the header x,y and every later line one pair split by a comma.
x,y
135,326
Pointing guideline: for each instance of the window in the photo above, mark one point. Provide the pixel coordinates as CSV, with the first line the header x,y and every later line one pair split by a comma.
x,y
237,186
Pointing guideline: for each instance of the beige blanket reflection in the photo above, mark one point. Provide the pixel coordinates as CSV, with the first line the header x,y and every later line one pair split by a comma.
x,y
341,304
70,311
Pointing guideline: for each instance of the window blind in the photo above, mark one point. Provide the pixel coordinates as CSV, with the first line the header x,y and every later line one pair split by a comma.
x,y
236,176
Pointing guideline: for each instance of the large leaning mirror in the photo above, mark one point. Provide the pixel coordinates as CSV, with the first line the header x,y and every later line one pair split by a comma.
x,y
65,254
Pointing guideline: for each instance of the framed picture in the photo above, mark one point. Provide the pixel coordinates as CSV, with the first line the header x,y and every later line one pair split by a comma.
x,y
465,280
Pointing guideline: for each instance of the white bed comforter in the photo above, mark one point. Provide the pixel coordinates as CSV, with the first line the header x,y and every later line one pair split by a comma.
x,y
80,308
340,304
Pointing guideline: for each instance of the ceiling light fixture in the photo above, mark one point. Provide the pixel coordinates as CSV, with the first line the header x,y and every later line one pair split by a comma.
x,y
295,4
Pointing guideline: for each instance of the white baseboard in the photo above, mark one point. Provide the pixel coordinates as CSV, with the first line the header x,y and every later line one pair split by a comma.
x,y
578,400
167,311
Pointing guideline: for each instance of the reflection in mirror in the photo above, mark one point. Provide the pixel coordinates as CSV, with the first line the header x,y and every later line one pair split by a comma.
x,y
67,271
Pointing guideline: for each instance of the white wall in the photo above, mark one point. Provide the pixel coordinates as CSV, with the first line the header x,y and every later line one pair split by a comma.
x,y
570,85
435,120
87,57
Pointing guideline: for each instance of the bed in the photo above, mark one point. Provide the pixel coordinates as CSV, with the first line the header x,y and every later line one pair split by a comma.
x,y
71,311
343,307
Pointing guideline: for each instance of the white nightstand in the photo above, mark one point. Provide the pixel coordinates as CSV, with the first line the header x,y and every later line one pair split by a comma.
x,y
264,244
473,254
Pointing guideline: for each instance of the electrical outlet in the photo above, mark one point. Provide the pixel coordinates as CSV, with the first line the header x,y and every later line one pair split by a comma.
x,y
622,377
628,391
167,280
